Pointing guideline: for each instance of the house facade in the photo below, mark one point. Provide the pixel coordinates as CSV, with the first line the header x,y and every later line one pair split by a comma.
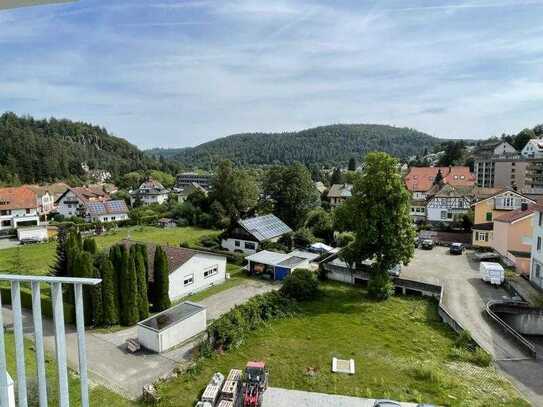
x,y
512,237
486,210
533,149
536,265
150,192
183,193
91,205
339,193
189,270
186,178
446,204
18,208
248,234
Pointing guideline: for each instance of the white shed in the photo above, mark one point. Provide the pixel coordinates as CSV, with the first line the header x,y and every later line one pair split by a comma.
x,y
172,327
32,234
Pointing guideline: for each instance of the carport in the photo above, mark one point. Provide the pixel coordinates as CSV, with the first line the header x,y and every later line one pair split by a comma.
x,y
276,265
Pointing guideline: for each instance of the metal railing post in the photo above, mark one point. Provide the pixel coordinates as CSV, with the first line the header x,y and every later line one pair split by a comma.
x,y
80,322
4,389
60,342
19,342
38,339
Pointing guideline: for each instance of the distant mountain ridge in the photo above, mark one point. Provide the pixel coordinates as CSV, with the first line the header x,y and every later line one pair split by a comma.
x,y
325,145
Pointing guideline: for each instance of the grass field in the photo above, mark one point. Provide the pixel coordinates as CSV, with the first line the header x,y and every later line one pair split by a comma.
x,y
37,259
401,348
99,396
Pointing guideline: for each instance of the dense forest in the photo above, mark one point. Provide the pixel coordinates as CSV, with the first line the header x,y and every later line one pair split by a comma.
x,y
327,145
49,150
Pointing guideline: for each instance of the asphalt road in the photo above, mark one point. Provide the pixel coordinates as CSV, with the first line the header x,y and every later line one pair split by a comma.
x,y
464,298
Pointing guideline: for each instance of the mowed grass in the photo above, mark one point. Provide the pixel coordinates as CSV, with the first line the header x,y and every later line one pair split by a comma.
x,y
401,348
99,396
38,259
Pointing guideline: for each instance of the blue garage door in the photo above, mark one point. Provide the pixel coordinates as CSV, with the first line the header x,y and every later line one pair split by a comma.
x,y
281,273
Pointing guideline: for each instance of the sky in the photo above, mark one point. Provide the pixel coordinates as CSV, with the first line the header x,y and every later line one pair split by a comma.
x,y
164,73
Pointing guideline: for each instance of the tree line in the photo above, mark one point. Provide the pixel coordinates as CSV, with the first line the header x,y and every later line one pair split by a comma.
x,y
125,294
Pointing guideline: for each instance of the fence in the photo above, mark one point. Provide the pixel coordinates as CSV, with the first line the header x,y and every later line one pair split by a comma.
x,y
55,284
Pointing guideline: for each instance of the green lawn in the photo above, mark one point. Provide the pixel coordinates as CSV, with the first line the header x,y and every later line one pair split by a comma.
x,y
401,348
39,258
99,396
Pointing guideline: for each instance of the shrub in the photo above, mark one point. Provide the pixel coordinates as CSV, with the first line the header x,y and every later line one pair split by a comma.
x,y
274,247
465,341
380,287
344,239
300,285
211,242
232,328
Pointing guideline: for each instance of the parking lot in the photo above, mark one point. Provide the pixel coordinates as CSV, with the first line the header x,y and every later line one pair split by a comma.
x,y
464,298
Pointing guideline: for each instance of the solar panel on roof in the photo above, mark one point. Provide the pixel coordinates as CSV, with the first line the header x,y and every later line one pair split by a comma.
x,y
265,227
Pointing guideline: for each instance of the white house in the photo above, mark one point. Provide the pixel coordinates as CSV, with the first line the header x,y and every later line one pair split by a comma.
x,y
248,234
536,266
446,203
533,149
190,270
72,202
92,205
150,192
18,208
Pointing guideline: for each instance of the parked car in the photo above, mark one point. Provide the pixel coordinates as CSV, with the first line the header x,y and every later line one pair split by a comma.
x,y
456,248
427,244
386,403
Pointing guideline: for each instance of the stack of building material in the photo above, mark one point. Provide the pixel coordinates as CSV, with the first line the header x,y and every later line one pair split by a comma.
x,y
226,403
230,390
213,389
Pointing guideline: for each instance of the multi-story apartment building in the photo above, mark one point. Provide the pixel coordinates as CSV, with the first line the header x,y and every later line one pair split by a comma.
x,y
187,178
500,165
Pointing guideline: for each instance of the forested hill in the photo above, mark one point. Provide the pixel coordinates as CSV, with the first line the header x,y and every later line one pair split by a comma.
x,y
327,145
48,150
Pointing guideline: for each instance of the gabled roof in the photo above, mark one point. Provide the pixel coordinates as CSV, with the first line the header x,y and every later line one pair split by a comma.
x,y
340,191
448,191
85,194
265,227
421,179
18,198
177,256
537,144
152,186
502,191
106,208
516,215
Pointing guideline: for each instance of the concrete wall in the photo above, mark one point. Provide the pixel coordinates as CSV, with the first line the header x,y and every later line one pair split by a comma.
x,y
174,335
230,245
196,268
528,323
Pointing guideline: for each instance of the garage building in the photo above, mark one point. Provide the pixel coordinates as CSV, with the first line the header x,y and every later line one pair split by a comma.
x,y
278,265
172,327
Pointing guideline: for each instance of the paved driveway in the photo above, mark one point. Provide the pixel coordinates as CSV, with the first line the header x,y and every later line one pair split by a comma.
x,y
465,296
111,365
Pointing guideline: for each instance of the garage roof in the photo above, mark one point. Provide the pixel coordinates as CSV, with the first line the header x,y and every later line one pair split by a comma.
x,y
269,258
171,316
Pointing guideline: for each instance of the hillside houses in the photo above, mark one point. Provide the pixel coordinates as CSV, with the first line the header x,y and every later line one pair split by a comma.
x,y
18,208
339,193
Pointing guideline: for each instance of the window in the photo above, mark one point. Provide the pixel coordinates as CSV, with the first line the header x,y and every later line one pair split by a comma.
x,y
5,212
489,216
237,243
537,270
443,214
449,215
540,219
250,245
6,223
188,280
27,211
211,271
539,243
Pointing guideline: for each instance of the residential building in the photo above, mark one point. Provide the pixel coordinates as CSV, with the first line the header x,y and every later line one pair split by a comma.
x,y
447,203
183,193
186,178
190,270
536,266
339,193
18,208
512,237
91,205
420,180
150,192
533,149
248,234
534,176
499,165
45,200
486,210
73,201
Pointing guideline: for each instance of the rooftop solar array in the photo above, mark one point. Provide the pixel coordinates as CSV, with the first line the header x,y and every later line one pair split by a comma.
x,y
265,227
105,208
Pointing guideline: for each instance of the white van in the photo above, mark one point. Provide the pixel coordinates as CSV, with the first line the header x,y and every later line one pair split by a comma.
x,y
492,273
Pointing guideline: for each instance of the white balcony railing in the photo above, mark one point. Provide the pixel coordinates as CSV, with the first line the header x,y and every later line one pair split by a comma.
x,y
55,284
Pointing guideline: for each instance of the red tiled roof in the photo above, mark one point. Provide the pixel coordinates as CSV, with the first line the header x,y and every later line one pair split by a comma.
x,y
87,194
515,215
18,198
422,178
